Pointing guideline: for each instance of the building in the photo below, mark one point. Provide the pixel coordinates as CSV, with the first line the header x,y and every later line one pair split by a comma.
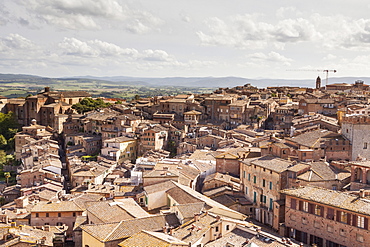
x,y
356,129
327,218
56,214
120,149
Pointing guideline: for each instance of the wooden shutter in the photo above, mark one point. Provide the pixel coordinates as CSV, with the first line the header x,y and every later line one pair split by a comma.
x,y
293,203
301,205
321,211
338,215
349,216
354,220
311,207
366,223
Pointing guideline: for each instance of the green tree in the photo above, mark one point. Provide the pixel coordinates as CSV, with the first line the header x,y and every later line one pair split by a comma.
x,y
8,125
7,176
3,141
2,157
89,104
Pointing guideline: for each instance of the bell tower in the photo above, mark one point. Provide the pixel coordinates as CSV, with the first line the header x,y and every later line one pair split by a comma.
x,y
318,82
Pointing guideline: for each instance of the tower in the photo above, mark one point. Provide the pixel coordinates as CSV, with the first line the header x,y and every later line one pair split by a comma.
x,y
318,82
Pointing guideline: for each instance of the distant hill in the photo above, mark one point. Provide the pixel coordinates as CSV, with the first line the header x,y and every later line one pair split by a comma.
x,y
200,82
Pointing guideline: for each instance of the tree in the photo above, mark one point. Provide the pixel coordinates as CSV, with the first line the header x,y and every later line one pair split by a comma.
x,y
89,104
118,102
8,125
7,176
3,141
2,157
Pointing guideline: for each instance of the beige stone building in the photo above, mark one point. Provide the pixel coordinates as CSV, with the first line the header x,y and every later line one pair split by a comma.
x,y
120,149
356,129
327,218
56,214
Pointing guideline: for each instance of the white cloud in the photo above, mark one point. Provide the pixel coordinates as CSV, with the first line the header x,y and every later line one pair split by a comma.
x,y
284,12
93,48
15,42
91,15
246,32
271,57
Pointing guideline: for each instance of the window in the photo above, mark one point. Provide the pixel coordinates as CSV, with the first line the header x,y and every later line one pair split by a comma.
x,y
365,145
246,190
227,227
303,206
47,214
270,187
249,177
254,179
254,197
330,214
271,204
243,174
74,214
319,210
360,221
330,228
359,238
37,215
59,215
216,229
263,182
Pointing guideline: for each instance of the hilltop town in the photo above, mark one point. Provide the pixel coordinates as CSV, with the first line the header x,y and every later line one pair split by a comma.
x,y
242,166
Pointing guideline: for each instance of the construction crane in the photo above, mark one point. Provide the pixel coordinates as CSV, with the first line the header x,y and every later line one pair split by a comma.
x,y
327,74
319,70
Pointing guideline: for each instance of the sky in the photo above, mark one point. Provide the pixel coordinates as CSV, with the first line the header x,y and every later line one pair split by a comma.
x,y
285,39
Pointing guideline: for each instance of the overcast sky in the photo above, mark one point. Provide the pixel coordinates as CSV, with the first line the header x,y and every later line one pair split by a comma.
x,y
165,38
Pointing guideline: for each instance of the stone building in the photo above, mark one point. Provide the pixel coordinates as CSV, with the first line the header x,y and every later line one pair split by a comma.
x,y
327,218
356,129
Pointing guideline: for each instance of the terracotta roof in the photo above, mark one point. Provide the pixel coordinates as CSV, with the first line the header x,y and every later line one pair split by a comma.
x,y
270,162
322,171
124,229
332,198
188,210
193,230
159,187
60,206
107,211
313,139
181,197
154,239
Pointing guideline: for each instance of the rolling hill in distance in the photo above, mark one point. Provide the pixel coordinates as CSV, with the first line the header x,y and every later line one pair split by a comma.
x,y
204,82
209,82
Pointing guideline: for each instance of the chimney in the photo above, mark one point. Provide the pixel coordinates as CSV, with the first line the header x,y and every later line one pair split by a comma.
x,y
171,231
218,218
196,217
47,228
362,193
13,224
47,89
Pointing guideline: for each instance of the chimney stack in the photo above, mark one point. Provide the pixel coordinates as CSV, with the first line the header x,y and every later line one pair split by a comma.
x,y
362,193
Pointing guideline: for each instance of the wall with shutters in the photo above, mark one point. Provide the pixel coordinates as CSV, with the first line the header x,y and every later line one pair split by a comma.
x,y
333,224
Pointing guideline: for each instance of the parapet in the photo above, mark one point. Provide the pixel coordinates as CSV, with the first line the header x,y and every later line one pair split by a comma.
x,y
356,119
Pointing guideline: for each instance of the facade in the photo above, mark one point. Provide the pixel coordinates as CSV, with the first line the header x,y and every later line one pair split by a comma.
x,y
261,181
327,218
356,129
56,214
120,149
